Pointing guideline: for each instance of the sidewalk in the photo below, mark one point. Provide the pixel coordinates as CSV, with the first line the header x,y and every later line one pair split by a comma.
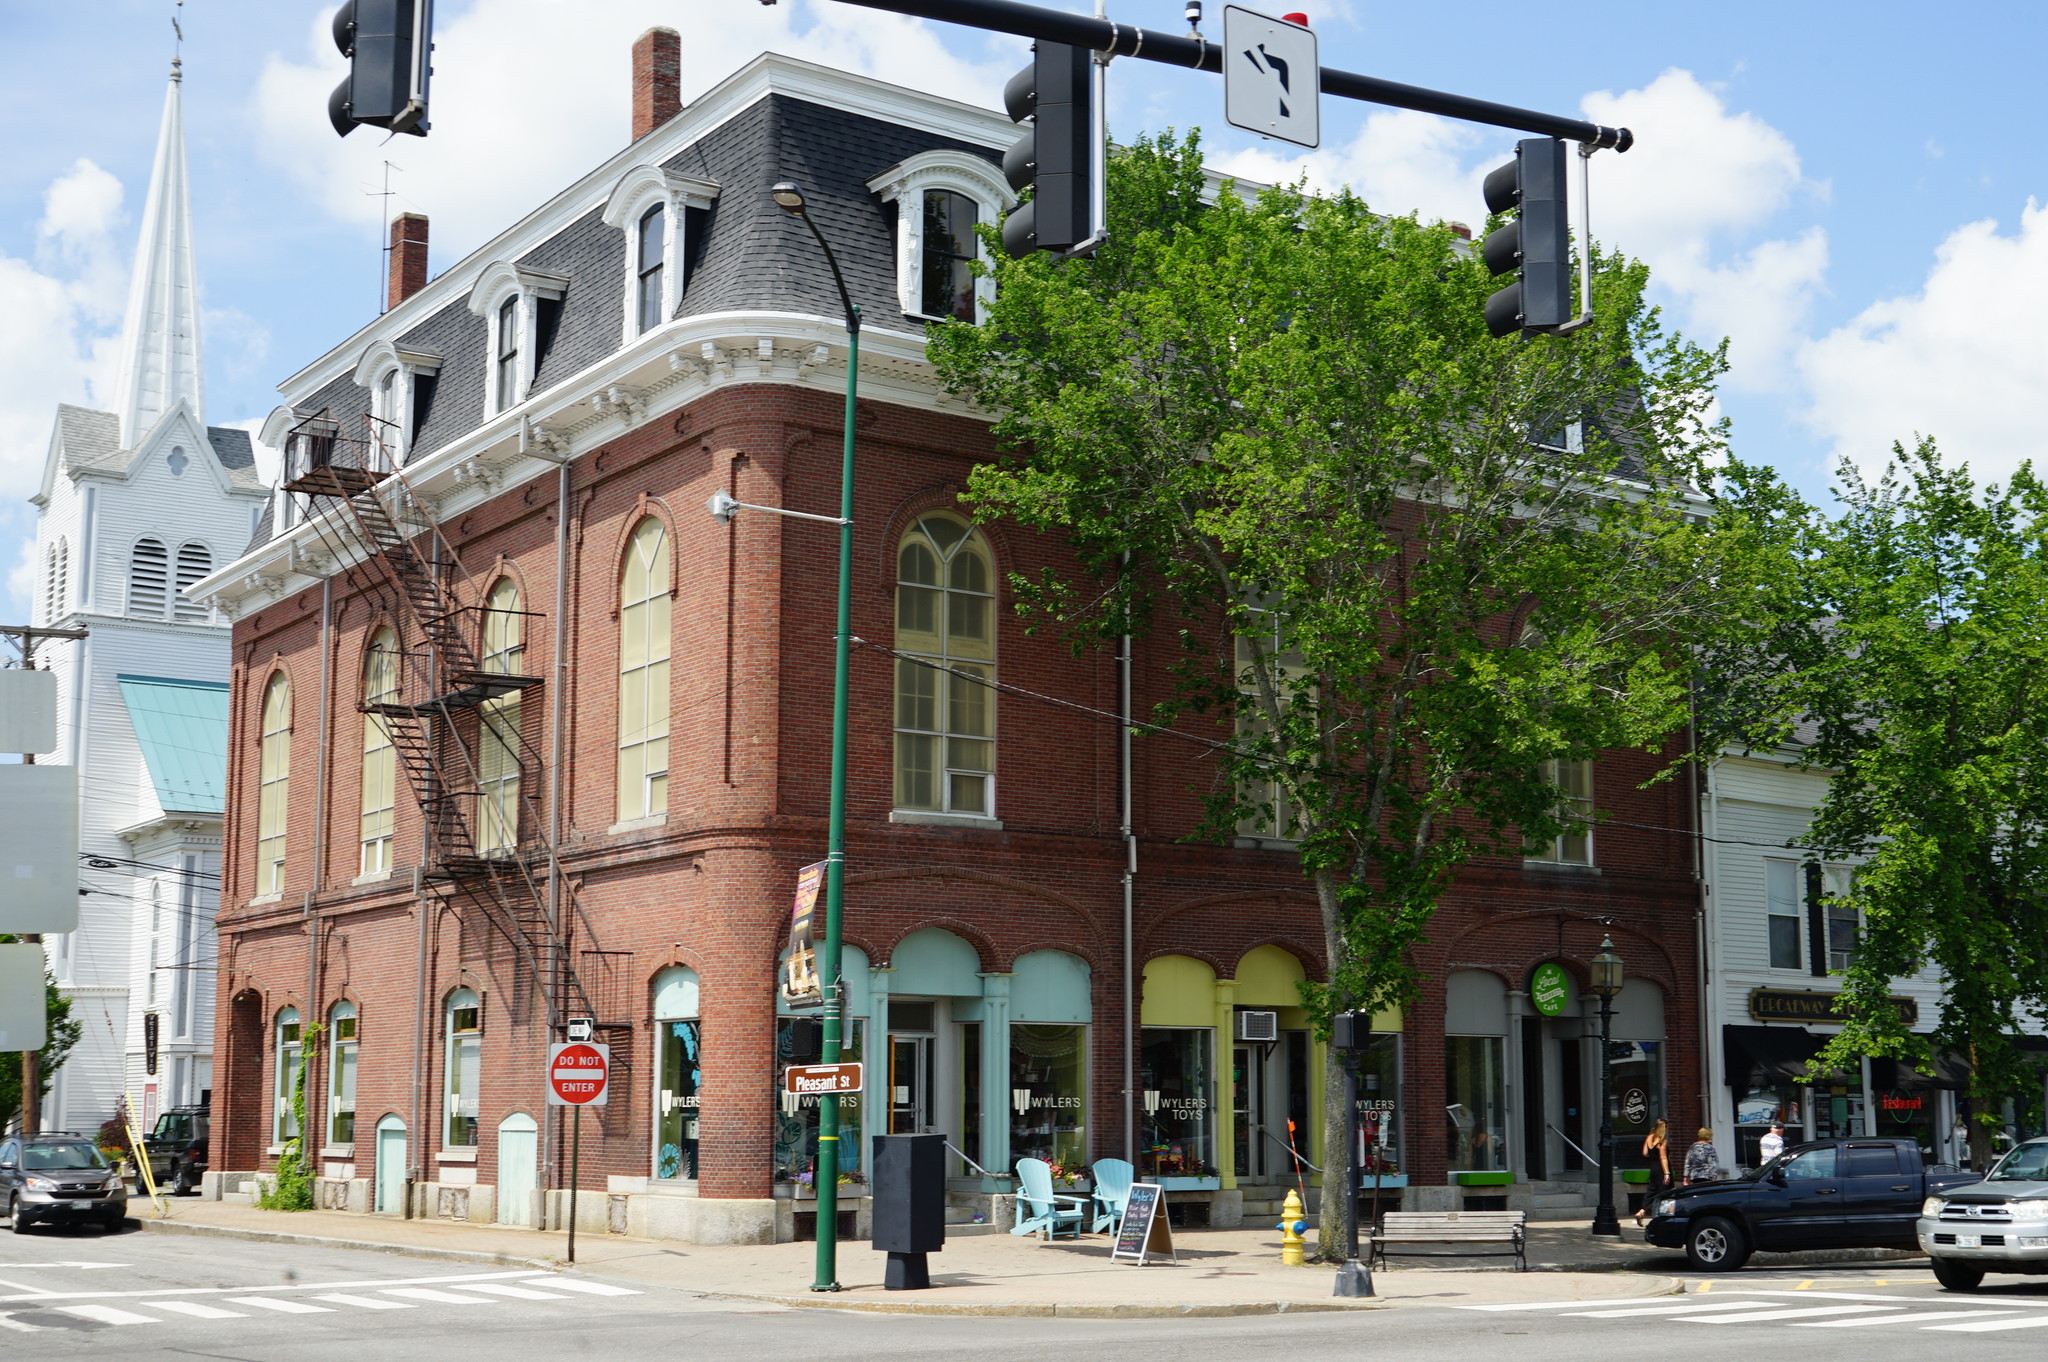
x,y
1220,1272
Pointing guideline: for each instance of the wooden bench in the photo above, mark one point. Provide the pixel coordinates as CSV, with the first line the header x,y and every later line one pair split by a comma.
x,y
1452,1227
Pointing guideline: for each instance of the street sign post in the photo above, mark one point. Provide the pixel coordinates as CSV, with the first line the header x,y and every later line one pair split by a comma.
x,y
819,1079
1272,81
579,1076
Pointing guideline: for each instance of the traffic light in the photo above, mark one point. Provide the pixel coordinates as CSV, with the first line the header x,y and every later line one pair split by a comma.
x,y
1052,159
1537,245
389,46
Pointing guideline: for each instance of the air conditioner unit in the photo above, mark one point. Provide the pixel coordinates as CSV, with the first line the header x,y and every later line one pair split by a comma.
x,y
1262,1026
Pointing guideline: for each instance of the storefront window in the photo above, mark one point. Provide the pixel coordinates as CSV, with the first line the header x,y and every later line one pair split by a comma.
x,y
796,1117
1176,1129
682,1079
1475,1130
970,1092
1757,1110
1379,1105
1838,1111
1637,1080
1907,1113
1048,1103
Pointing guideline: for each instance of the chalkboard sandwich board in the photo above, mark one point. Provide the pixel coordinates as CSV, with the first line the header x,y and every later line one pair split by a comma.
x,y
1144,1230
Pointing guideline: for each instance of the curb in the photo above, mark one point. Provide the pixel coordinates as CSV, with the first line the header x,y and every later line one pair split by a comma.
x,y
1043,1310
448,1255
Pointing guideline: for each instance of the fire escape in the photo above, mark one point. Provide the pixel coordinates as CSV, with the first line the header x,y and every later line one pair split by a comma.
x,y
437,724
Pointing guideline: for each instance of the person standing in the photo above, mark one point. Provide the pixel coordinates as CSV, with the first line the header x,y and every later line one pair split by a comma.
x,y
1702,1161
1657,1149
1772,1144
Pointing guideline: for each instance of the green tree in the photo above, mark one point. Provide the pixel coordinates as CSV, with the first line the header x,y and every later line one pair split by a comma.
x,y
1927,669
63,1033
1406,563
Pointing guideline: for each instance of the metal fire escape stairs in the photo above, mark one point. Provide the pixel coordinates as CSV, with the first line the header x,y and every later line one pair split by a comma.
x,y
379,516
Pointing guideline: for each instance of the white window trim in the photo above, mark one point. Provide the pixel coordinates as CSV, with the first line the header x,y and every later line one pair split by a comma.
x,y
501,280
904,185
387,357
639,189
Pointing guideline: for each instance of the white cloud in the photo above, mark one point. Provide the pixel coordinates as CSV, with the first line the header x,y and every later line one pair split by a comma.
x,y
529,94
1965,359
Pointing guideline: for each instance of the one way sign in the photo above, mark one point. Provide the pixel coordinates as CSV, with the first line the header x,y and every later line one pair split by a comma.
x,y
1272,81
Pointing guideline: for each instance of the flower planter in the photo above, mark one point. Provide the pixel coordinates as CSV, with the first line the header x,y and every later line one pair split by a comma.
x,y
1639,1176
1500,1179
1186,1184
1387,1180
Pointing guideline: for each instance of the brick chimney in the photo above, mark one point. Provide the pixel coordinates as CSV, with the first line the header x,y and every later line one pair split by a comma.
x,y
407,265
657,79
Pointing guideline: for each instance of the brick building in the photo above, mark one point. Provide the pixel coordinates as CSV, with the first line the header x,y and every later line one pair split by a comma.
x,y
455,822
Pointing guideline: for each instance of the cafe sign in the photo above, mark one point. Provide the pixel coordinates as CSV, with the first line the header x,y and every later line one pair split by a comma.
x,y
1790,1005
1550,988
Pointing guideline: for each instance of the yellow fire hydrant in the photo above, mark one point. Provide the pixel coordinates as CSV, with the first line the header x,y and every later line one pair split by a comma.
x,y
1291,1226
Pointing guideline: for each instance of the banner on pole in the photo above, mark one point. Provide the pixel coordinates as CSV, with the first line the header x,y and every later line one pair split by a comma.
x,y
800,969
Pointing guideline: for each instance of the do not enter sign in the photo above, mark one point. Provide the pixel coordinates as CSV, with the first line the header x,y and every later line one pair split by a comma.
x,y
578,1074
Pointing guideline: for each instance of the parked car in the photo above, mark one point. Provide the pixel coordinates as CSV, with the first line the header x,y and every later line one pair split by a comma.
x,y
177,1149
1824,1194
47,1179
1997,1225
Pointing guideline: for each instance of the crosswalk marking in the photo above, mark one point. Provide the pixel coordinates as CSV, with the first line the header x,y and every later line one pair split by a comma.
x,y
421,1293
1911,1317
1518,1305
578,1284
2039,1321
1783,1314
516,1292
1693,1307
283,1305
196,1310
107,1314
365,1302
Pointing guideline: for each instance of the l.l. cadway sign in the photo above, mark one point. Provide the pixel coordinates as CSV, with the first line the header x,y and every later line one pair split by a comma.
x,y
1272,77
579,1074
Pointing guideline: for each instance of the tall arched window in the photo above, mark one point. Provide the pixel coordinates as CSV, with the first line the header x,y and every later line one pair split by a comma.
x,y
945,709
498,763
290,1058
56,586
149,579
380,757
643,673
464,1067
194,561
647,267
341,1076
273,788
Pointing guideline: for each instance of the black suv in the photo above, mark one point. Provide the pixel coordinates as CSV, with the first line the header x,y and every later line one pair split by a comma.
x,y
53,1177
177,1149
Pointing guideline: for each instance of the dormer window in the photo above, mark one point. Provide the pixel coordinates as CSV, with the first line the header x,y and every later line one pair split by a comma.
x,y
401,384
510,299
659,213
941,197
653,234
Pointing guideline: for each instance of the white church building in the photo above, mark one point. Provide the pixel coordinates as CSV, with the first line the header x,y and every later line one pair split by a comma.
x,y
137,503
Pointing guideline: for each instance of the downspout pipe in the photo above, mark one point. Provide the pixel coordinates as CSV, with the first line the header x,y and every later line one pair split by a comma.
x,y
1124,782
557,739
316,1083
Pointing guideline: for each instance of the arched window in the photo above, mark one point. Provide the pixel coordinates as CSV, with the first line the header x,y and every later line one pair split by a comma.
x,y
950,248
149,579
464,1067
273,788
56,586
647,267
194,562
498,763
945,709
341,1076
388,415
380,757
290,1058
643,673
505,370
679,1039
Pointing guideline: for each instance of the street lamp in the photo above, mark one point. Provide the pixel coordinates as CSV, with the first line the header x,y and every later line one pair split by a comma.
x,y
1606,981
791,199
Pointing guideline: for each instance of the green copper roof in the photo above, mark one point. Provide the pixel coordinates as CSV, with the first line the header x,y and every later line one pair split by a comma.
x,y
182,727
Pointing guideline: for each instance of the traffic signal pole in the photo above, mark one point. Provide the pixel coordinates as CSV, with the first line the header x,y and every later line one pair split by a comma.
x,y
1200,54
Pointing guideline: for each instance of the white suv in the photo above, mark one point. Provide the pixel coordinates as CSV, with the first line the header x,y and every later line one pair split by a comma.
x,y
1997,1225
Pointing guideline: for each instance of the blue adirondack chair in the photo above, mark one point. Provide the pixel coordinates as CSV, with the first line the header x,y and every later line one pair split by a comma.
x,y
1040,1210
1112,1192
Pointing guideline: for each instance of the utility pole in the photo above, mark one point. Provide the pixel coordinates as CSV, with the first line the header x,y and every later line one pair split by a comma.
x,y
31,1060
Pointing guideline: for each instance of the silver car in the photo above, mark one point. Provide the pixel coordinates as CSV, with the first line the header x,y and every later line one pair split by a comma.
x,y
1997,1225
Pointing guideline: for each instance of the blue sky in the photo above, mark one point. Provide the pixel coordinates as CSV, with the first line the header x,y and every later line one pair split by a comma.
x,y
1851,194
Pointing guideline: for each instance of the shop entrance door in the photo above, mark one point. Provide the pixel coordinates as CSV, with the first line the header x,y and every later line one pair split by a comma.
x,y
910,1084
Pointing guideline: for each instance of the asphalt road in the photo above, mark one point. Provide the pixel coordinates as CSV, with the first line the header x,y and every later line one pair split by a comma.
x,y
82,1294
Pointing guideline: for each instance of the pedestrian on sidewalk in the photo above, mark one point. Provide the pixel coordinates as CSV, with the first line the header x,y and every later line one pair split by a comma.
x,y
1703,1161
1657,1149
1771,1145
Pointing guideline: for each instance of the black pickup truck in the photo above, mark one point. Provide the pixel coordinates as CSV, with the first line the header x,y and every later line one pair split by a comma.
x,y
1827,1194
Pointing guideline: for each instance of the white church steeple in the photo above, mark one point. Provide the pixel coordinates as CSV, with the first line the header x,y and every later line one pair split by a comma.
x,y
160,338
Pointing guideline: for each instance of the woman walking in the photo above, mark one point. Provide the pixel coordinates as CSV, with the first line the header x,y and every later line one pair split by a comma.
x,y
1702,1161
1657,1149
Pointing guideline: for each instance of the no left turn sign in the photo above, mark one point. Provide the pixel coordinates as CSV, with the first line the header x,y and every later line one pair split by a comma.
x,y
579,1074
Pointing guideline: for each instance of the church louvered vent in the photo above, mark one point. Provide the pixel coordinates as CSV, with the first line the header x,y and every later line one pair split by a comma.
x,y
194,562
148,579
54,585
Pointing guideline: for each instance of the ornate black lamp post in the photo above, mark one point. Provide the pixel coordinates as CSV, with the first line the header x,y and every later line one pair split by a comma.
x,y
1606,981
